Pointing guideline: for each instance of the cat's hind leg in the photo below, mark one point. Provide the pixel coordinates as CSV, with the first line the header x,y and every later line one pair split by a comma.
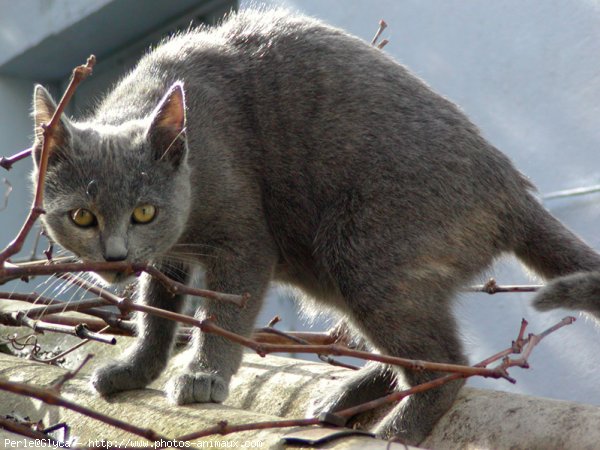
x,y
411,321
368,383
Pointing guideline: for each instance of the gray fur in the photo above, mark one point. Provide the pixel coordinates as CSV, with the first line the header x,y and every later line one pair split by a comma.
x,y
305,156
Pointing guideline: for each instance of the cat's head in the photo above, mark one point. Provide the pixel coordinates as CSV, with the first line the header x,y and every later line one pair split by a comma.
x,y
116,193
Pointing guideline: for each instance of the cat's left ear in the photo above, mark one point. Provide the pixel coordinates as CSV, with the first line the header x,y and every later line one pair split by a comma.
x,y
43,110
166,133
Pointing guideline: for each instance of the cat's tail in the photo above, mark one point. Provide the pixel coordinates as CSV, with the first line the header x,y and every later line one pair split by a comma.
x,y
579,291
554,252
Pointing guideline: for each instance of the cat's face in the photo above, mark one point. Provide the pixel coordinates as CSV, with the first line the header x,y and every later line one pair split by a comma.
x,y
117,193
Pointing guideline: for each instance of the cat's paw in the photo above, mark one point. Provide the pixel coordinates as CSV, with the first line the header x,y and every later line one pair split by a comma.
x,y
197,387
336,400
397,428
118,376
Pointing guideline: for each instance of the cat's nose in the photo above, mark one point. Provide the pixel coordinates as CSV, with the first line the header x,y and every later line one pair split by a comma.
x,y
115,249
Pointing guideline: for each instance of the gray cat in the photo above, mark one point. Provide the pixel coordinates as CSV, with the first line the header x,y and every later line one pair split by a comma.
x,y
275,147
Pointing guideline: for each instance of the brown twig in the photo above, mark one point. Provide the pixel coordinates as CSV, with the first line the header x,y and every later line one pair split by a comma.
x,y
80,330
79,74
297,340
382,26
27,431
86,307
79,305
69,375
208,326
531,342
121,327
491,287
32,297
263,349
12,271
223,428
382,44
9,189
50,397
7,161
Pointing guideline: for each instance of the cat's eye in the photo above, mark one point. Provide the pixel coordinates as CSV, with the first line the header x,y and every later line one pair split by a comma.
x,y
83,217
143,214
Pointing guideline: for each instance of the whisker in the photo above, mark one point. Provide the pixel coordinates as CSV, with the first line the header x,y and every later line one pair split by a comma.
x,y
51,286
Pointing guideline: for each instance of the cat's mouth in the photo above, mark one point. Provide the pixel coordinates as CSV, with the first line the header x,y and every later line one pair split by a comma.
x,y
116,277
111,277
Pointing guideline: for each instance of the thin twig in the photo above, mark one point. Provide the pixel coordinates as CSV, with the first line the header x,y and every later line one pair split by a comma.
x,y
80,330
571,192
26,431
79,74
36,243
69,375
9,189
491,287
382,44
223,427
327,359
8,161
382,26
79,305
12,271
507,363
52,398
120,327
82,307
208,326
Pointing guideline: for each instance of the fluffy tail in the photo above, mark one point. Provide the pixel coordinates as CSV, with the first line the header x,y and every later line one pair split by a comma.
x,y
552,250
579,291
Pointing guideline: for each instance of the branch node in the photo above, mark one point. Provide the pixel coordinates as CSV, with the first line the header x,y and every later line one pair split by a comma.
x,y
491,287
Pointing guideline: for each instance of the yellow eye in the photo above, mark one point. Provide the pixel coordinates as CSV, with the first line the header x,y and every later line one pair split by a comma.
x,y
143,214
83,218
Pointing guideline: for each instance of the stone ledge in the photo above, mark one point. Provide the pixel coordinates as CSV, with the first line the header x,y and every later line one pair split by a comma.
x,y
273,387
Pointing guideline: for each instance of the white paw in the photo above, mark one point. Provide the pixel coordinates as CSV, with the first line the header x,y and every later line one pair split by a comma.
x,y
199,387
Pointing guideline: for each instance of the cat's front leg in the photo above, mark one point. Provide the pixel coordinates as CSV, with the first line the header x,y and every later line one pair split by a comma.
x,y
215,359
147,357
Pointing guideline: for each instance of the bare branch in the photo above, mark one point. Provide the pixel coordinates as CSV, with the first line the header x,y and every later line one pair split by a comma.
x,y
13,271
9,189
382,26
491,287
69,375
342,416
80,330
7,161
52,398
79,74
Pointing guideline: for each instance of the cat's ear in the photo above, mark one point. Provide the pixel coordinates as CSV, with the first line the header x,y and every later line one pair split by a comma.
x,y
43,110
166,133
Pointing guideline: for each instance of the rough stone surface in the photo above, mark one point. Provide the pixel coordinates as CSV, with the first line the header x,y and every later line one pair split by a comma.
x,y
272,388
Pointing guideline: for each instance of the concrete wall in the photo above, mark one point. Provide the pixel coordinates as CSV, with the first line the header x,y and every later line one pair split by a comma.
x,y
527,73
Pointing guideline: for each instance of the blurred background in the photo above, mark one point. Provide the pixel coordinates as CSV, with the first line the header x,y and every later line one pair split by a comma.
x,y
526,72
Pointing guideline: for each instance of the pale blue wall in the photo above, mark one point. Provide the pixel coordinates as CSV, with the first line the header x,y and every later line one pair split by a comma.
x,y
528,74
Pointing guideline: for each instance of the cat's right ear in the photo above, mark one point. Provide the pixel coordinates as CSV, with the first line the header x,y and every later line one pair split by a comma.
x,y
43,110
167,130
